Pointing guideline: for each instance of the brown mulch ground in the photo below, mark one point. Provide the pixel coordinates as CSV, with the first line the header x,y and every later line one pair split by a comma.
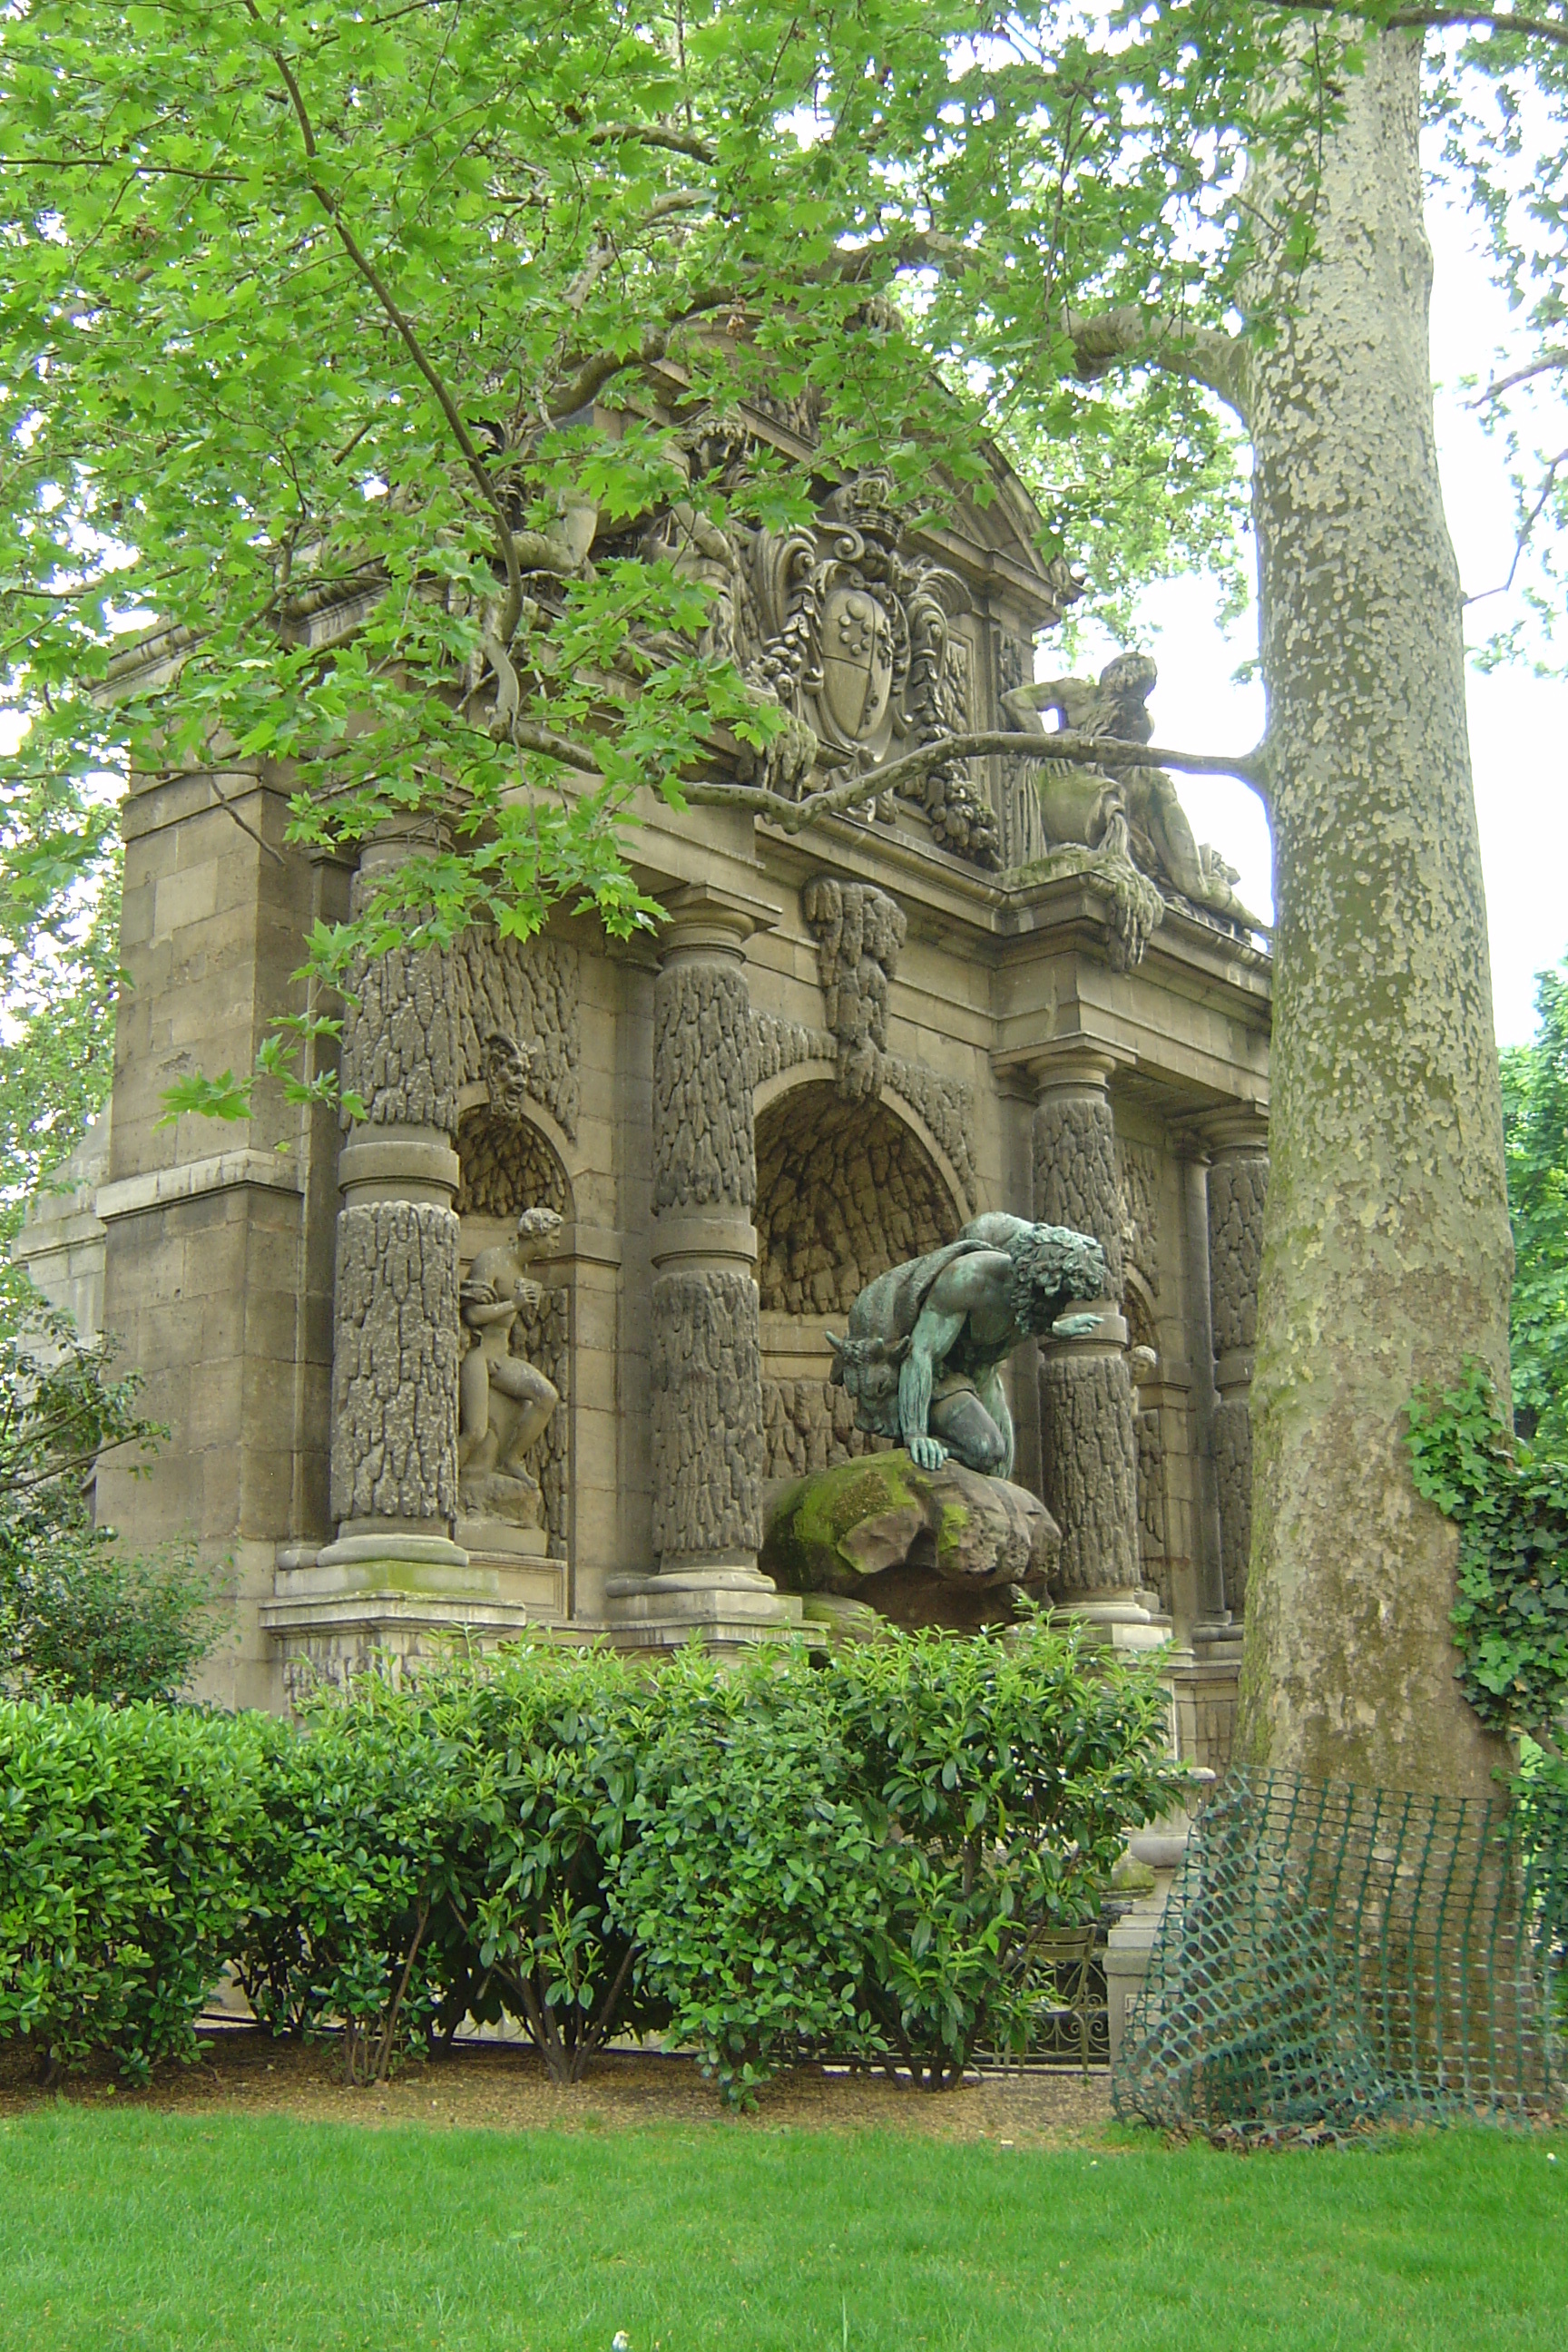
x,y
503,2087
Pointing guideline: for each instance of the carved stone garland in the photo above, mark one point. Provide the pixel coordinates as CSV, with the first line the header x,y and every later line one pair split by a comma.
x,y
859,932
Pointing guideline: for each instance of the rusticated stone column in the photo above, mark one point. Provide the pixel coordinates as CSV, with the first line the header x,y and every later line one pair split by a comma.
x,y
1088,1443
705,1372
397,1335
1239,1183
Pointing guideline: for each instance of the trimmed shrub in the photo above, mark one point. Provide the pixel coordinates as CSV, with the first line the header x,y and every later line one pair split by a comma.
x,y
771,1859
1000,1776
753,1886
125,1872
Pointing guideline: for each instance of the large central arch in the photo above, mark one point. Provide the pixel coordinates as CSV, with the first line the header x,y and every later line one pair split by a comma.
x,y
845,1190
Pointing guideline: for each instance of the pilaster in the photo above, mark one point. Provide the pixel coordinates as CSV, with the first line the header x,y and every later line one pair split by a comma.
x,y
1238,1187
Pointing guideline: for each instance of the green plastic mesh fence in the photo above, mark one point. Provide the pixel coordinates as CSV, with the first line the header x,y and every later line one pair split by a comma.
x,y
1333,1956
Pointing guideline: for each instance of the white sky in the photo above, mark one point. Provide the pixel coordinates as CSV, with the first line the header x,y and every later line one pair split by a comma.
x,y
1519,723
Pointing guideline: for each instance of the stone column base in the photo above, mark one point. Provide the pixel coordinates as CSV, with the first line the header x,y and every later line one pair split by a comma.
x,y
1158,1854
336,1636
1122,1617
728,1608
1206,1688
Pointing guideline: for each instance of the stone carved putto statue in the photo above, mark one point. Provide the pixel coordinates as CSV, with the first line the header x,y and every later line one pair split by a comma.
x,y
504,1401
1131,819
927,1340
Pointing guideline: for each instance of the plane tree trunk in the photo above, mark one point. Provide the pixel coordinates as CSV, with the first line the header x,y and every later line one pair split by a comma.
x,y
1387,1257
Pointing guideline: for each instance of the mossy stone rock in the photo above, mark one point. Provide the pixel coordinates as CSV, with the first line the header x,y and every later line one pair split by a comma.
x,y
924,1547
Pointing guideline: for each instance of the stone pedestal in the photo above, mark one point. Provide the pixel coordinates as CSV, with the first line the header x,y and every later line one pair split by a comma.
x,y
1156,1853
1088,1441
706,1359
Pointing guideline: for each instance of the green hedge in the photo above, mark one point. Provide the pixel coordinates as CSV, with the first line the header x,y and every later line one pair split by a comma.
x,y
763,1861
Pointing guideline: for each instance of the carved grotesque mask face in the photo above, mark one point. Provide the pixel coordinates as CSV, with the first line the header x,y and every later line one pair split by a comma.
x,y
506,1072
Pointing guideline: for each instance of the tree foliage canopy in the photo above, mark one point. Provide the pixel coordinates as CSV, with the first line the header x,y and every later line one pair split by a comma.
x,y
332,338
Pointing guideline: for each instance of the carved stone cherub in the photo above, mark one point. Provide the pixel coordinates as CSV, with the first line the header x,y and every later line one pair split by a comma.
x,y
927,1340
1133,810
505,1402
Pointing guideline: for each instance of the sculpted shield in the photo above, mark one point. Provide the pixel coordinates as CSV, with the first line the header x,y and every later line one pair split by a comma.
x,y
857,666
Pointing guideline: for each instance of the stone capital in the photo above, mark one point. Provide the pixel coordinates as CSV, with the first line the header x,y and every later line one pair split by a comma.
x,y
1075,1070
1238,1132
705,920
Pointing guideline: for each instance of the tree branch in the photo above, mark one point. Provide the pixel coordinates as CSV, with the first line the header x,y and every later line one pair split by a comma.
x,y
1205,354
1441,20
1074,751
679,143
1554,467
506,539
1555,358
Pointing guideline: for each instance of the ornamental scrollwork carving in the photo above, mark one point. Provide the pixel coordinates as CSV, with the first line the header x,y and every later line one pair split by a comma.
x,y
850,633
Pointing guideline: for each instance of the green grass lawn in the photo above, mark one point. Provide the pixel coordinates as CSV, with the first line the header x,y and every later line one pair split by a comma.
x,y
140,2229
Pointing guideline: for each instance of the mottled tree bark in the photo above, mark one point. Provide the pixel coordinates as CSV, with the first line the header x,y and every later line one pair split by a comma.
x,y
1386,1253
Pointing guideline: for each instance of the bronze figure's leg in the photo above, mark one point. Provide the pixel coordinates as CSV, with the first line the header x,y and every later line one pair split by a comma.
x,y
968,1432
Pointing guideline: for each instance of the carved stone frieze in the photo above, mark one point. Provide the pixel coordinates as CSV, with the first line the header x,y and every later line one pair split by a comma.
x,y
708,1444
1138,1170
1238,1192
396,1346
542,1336
1152,1504
704,1155
810,1425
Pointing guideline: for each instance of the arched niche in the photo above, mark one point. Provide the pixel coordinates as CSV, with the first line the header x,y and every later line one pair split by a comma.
x,y
508,1164
845,1190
